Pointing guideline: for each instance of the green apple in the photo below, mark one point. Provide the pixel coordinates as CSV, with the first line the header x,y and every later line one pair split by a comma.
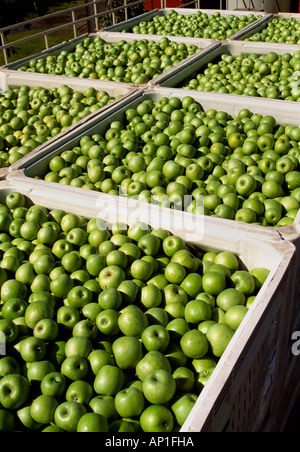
x,y
186,259
13,289
78,346
116,257
227,259
192,284
202,379
14,200
29,230
213,282
47,235
127,351
46,329
197,311
129,402
69,221
219,269
67,317
183,406
289,203
14,308
14,391
138,230
25,273
271,189
132,321
272,216
42,409
71,261
9,365
109,380
99,358
10,263
95,263
74,368
159,386
174,293
235,315
131,250
194,344
104,405
155,337
27,420
159,280
37,311
149,244
61,286
86,328
141,269
68,414
260,275
129,290
7,421
111,276
8,330
151,296
43,295
157,419
44,264
77,236
204,363
87,250
110,298
33,349
246,215
56,215
107,322
157,316
292,180
184,379
175,310
80,391
38,369
61,247
230,297
118,240
219,336
122,426
244,282
175,273
172,244
79,296
177,328
92,423
53,384
153,360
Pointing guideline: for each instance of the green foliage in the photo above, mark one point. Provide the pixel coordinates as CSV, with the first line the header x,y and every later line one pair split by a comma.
x,y
106,21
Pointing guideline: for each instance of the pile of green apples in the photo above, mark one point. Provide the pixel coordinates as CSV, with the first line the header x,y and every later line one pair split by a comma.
x,y
171,153
109,327
196,25
29,116
280,30
131,62
272,76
